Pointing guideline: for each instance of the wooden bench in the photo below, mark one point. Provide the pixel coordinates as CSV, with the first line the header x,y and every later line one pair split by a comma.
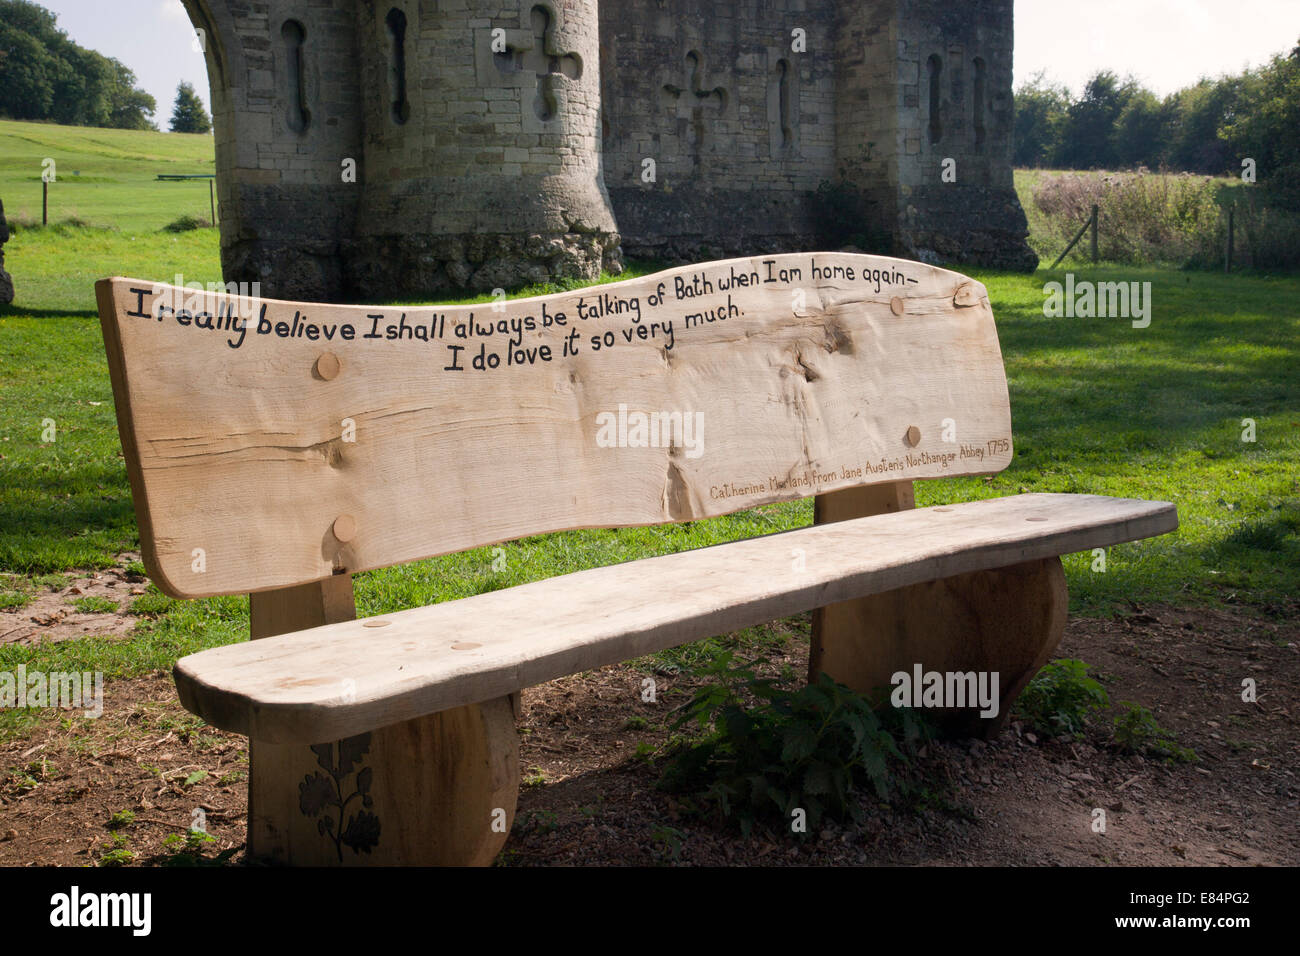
x,y
278,448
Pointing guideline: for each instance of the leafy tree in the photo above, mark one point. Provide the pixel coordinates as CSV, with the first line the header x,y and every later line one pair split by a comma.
x,y
80,96
1267,128
1208,127
29,18
1204,109
1142,130
1041,108
27,75
46,76
128,106
188,115
1089,140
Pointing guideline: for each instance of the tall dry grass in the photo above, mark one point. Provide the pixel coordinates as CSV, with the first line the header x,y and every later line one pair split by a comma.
x,y
1167,218
1144,217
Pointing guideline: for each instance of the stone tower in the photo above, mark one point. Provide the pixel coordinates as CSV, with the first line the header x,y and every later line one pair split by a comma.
x,y
481,157
377,149
405,147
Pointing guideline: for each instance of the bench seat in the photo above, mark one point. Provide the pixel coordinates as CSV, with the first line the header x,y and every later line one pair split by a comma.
x,y
330,682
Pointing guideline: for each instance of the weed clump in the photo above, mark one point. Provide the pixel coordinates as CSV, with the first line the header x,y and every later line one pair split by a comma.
x,y
773,756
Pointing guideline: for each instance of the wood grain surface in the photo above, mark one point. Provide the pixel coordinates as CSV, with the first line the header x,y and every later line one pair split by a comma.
x,y
271,444
328,682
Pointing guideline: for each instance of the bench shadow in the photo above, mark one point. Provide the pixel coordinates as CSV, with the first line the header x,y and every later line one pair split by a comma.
x,y
61,512
25,312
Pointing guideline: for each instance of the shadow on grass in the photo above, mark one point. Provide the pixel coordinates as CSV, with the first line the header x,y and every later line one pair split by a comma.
x,y
51,524
1099,386
24,312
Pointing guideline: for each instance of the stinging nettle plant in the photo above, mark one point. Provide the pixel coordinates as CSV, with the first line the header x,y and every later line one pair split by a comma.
x,y
1060,699
766,752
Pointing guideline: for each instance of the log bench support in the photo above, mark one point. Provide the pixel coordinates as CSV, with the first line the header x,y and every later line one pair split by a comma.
x,y
439,790
1006,621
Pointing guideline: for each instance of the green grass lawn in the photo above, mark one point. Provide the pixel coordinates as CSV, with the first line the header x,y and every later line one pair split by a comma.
x,y
1098,407
103,176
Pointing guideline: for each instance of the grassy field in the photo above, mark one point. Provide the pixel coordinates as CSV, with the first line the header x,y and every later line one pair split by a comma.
x,y
103,176
1098,407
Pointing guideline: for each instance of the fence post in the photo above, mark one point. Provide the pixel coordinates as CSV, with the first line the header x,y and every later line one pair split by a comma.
x,y
1096,212
45,202
1073,242
1232,224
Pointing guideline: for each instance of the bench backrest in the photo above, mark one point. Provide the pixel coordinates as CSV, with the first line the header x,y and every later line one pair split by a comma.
x,y
274,443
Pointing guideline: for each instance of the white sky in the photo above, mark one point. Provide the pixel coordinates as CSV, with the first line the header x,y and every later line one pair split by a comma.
x,y
1166,44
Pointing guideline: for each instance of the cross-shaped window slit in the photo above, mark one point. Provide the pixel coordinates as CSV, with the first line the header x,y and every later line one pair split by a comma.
x,y
542,57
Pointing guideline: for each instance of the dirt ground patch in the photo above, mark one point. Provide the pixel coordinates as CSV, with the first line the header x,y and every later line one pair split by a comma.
x,y
589,798
53,613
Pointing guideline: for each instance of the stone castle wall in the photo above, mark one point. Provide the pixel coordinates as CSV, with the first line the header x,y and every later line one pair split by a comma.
x,y
740,127
285,212
958,58
482,168
498,142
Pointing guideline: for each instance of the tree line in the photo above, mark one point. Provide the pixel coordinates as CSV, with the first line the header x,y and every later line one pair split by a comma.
x,y
1209,127
45,76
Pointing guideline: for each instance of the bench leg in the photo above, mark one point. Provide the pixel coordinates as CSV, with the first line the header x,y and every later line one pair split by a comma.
x,y
1006,621
435,791
439,790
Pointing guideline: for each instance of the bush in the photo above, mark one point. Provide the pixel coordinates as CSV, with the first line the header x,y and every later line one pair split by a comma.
x,y
64,227
1061,698
769,752
186,224
1266,234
